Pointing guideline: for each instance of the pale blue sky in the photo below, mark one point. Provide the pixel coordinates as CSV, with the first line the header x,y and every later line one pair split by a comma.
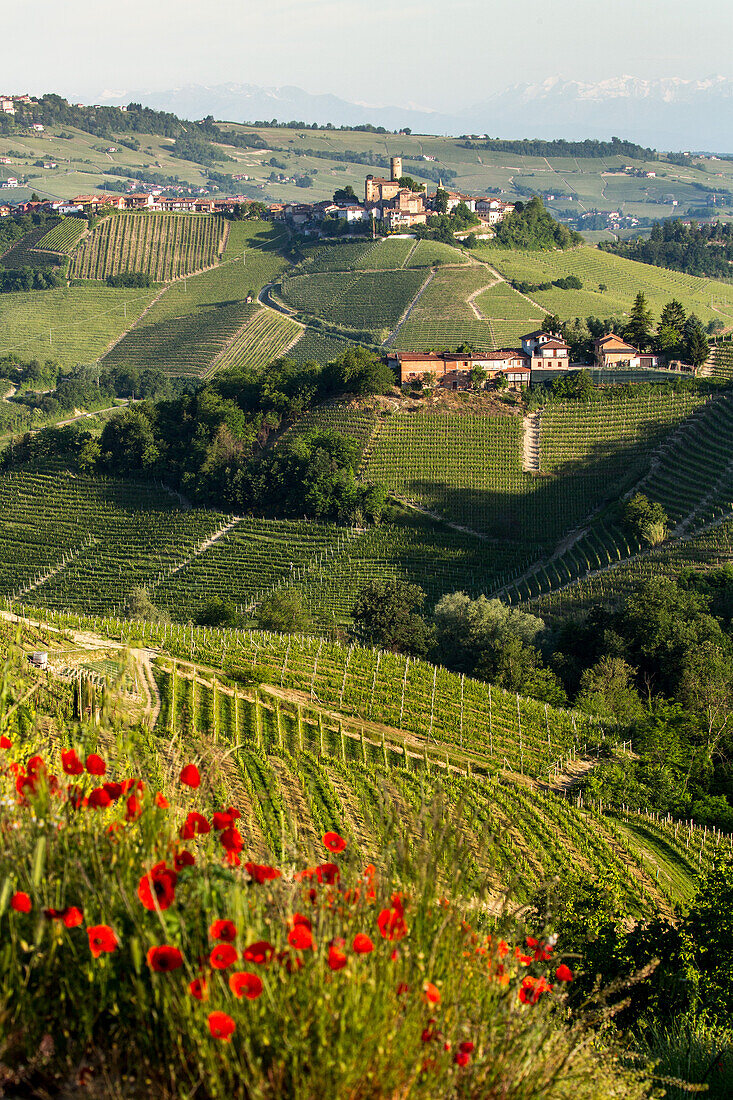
x,y
442,54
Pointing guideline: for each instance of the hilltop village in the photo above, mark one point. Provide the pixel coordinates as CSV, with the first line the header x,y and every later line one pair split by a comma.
x,y
391,205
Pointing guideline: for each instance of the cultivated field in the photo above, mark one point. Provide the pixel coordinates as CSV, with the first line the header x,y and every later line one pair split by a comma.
x,y
71,324
163,246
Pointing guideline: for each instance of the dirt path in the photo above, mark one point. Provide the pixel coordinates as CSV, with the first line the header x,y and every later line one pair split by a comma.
x,y
531,442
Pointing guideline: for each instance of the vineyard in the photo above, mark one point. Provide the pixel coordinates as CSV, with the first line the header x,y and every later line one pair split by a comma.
x,y
71,324
721,360
621,278
182,346
163,246
317,347
691,476
337,738
373,301
64,237
264,337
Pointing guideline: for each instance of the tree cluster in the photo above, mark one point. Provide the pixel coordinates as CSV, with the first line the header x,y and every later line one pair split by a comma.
x,y
531,227
705,250
218,443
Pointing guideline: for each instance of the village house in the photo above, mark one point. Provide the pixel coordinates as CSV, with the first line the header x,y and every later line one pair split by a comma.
x,y
453,371
545,351
612,351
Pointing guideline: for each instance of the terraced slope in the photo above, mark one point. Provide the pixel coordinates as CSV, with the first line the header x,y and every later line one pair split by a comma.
x,y
163,246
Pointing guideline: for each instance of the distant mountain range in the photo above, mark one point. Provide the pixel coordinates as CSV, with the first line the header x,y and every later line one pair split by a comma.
x,y
669,114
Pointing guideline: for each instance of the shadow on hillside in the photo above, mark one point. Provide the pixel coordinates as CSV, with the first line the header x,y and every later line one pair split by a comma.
x,y
541,508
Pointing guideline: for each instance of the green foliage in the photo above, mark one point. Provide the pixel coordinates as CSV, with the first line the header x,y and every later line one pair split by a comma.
x,y
387,614
282,612
645,519
705,250
138,605
638,330
532,227
129,278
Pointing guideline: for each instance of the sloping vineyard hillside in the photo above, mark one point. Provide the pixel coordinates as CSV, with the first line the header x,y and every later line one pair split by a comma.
x,y
163,246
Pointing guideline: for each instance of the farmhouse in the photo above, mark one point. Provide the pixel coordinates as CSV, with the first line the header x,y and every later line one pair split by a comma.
x,y
546,351
611,351
453,371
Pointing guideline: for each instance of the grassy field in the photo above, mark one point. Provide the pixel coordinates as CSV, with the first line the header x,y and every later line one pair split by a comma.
x,y
163,246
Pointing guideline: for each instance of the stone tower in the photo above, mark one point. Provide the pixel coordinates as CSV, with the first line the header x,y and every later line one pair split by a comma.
x,y
396,168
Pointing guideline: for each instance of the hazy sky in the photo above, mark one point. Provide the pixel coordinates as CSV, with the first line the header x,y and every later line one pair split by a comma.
x,y
428,53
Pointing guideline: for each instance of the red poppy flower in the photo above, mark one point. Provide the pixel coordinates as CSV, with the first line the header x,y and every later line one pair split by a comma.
x,y
102,940
391,925
299,918
231,839
222,956
222,819
300,937
245,984
362,944
114,790
183,859
532,989
95,764
99,799
161,801
564,973
466,1047
461,1058
190,776
431,994
336,957
194,825
199,989
402,988
260,953
221,1026
328,873
164,958
134,808
334,843
261,872
21,903
36,765
72,917
223,930
70,763
157,889
292,963
5,742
